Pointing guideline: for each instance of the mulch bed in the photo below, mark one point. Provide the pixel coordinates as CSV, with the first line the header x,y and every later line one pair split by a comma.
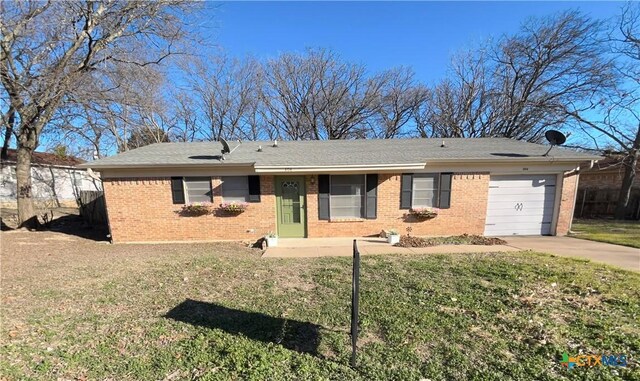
x,y
464,239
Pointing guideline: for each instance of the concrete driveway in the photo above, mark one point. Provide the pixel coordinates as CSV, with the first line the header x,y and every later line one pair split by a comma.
x,y
621,256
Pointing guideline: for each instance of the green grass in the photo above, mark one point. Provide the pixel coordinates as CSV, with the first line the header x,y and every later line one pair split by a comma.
x,y
216,312
626,233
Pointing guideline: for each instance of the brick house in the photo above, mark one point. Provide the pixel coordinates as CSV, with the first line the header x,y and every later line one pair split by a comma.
x,y
489,186
600,187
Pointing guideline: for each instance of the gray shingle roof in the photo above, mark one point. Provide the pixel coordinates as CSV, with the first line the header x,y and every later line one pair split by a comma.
x,y
337,153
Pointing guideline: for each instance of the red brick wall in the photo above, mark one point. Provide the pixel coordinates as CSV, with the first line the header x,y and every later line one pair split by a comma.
x,y
141,209
604,180
567,201
467,213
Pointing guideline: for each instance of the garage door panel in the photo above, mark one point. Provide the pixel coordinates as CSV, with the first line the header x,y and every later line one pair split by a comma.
x,y
522,184
526,206
540,230
524,191
520,205
521,224
523,180
513,198
519,219
531,217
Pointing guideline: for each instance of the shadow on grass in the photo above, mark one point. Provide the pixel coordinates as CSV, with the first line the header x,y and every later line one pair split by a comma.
x,y
64,223
302,337
72,224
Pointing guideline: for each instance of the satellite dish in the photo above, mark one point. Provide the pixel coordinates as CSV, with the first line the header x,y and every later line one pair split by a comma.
x,y
555,138
225,146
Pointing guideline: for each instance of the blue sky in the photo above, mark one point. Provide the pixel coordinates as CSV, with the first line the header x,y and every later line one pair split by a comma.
x,y
380,35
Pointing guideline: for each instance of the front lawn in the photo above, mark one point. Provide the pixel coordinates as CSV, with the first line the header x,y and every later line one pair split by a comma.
x,y
626,233
76,309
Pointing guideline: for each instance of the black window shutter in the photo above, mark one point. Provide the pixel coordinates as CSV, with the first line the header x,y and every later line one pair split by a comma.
x,y
324,189
177,190
254,188
372,196
405,191
445,190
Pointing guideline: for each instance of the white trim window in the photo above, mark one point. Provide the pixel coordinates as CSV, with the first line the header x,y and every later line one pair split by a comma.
x,y
347,196
197,189
235,188
425,190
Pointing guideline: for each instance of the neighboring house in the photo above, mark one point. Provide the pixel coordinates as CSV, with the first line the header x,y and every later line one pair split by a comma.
x,y
600,187
489,186
56,181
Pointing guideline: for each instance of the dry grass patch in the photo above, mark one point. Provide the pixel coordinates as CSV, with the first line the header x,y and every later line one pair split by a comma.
x,y
80,309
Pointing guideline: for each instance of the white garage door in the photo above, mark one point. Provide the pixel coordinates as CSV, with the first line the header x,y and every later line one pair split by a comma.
x,y
520,205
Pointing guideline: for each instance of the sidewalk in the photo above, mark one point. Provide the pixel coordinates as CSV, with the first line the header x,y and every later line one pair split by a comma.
x,y
343,247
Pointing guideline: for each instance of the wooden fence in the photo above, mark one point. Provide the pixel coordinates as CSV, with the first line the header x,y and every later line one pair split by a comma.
x,y
602,203
92,207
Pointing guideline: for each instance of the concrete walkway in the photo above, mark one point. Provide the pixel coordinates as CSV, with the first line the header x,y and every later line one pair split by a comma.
x,y
621,256
343,247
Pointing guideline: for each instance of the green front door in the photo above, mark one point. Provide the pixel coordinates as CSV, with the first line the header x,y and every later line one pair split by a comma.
x,y
290,205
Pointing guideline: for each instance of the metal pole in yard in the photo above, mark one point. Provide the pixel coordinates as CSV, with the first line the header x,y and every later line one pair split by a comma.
x,y
355,291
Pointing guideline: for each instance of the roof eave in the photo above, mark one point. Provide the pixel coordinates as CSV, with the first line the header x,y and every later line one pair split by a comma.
x,y
99,167
336,168
508,160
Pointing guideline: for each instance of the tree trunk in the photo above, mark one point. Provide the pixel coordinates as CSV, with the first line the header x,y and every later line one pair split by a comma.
x,y
26,212
11,117
630,163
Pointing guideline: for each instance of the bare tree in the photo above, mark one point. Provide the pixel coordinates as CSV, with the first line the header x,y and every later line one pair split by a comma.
x,y
187,120
555,64
400,96
290,86
104,121
48,48
525,83
620,108
8,120
457,106
317,96
227,92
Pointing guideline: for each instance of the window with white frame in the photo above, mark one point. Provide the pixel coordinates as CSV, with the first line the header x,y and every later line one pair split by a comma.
x,y
425,190
235,188
197,189
347,196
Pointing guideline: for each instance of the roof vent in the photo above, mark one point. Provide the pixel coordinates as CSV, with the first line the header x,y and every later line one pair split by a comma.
x,y
275,142
443,145
259,148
